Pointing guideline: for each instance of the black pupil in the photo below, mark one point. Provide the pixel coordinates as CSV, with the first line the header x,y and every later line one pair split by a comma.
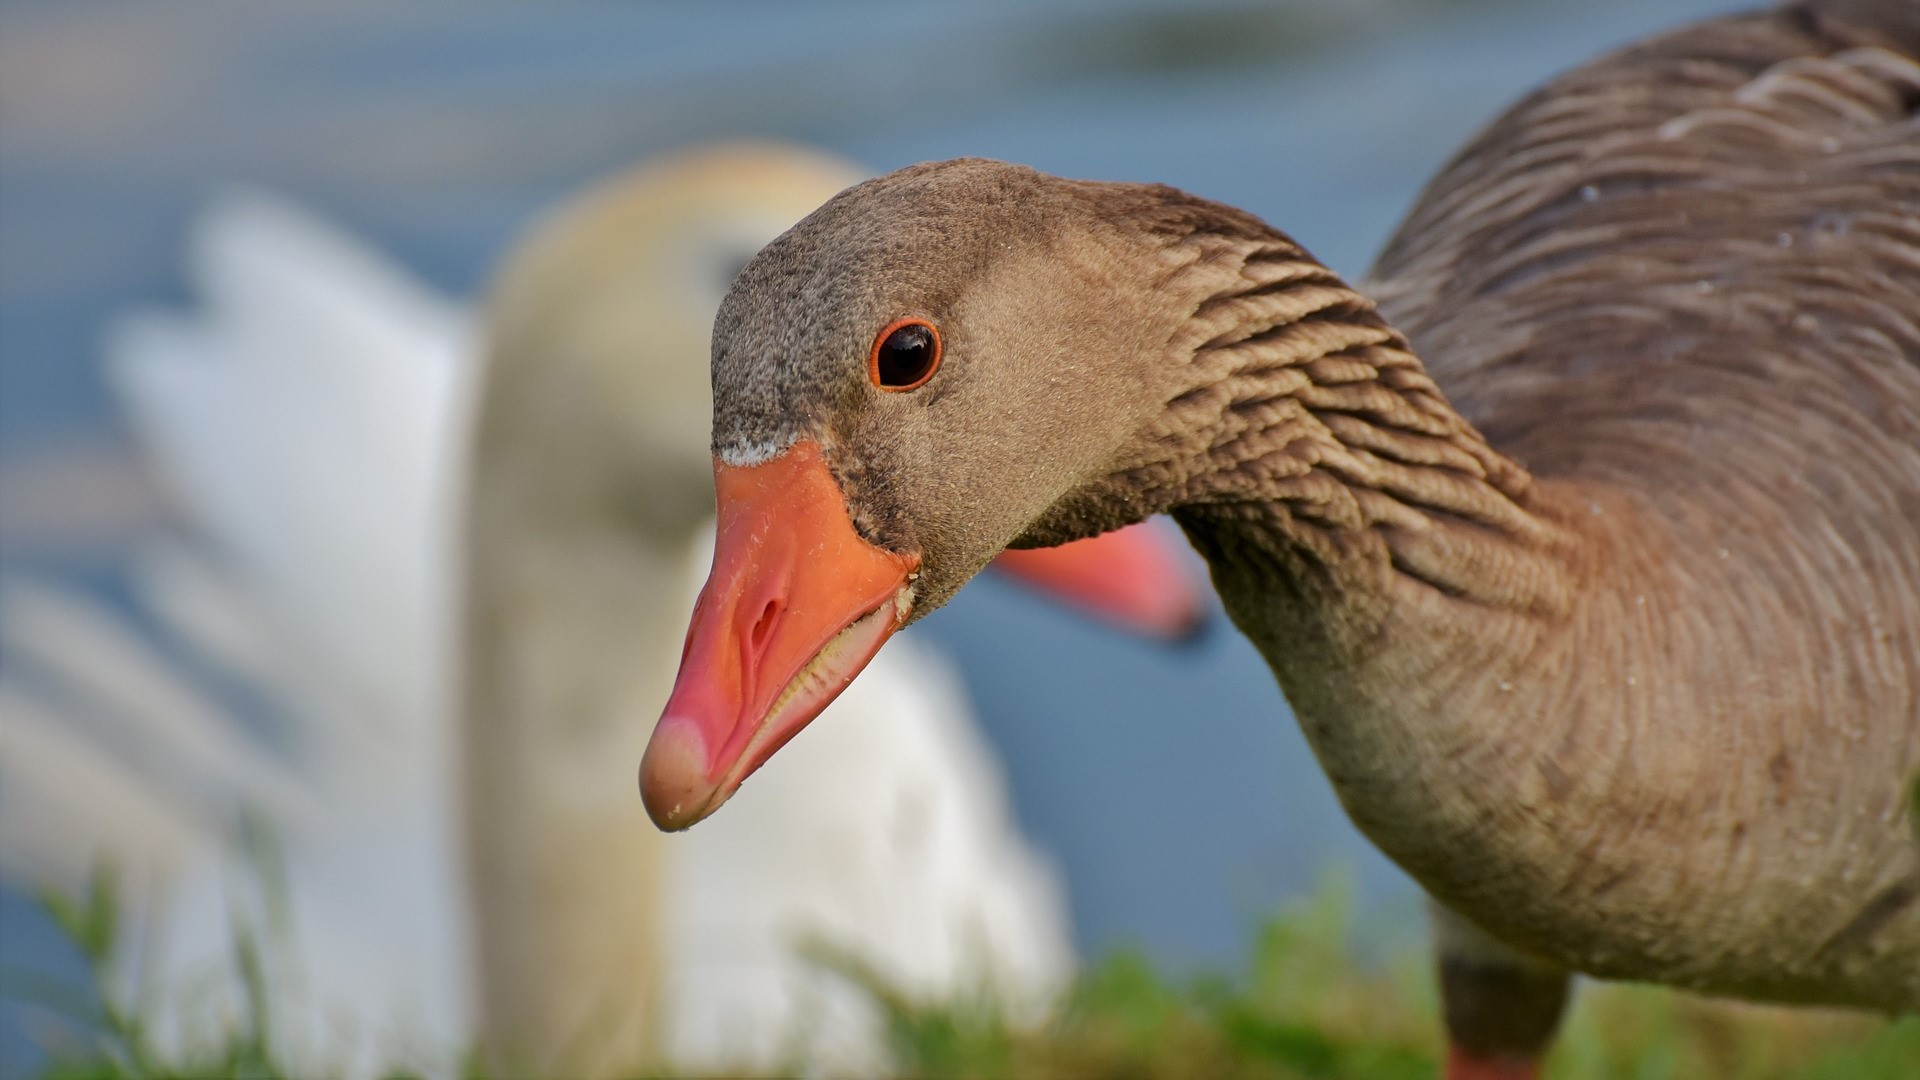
x,y
906,356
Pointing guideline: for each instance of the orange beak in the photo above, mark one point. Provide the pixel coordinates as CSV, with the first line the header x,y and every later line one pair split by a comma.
x,y
1132,578
798,603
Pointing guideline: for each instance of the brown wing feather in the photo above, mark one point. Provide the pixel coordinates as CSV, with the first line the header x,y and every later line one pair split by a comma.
x,y
1688,275
1713,236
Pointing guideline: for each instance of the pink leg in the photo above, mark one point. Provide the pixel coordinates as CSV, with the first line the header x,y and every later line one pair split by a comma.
x,y
1501,1007
1462,1065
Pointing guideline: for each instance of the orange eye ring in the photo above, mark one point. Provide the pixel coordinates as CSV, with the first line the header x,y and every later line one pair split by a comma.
x,y
904,355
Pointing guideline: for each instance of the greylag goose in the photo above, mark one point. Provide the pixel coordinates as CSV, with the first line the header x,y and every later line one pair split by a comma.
x,y
311,418
1584,542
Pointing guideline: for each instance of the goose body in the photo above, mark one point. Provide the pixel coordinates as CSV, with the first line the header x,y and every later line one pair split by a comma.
x,y
1588,557
313,420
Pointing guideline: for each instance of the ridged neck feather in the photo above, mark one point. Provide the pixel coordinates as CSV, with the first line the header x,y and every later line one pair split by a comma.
x,y
1304,444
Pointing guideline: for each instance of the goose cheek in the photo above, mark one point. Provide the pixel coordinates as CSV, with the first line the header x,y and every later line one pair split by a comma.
x,y
796,605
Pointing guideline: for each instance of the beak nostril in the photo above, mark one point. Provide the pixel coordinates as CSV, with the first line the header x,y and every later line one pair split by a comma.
x,y
763,626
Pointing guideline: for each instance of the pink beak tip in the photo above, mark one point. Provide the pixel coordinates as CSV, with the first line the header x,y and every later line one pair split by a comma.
x,y
673,774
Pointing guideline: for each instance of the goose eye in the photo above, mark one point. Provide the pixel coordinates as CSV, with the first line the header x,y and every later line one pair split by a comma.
x,y
905,355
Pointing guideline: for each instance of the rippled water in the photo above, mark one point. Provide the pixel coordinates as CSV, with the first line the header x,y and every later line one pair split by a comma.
x,y
1173,787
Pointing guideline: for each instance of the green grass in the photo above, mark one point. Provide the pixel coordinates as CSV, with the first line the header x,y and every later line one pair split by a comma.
x,y
115,1039
1304,1007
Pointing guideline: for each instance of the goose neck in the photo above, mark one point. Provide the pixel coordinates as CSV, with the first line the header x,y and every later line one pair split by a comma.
x,y
1306,446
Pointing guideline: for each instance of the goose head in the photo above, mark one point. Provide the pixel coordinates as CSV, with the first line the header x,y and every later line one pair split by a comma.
x,y
935,365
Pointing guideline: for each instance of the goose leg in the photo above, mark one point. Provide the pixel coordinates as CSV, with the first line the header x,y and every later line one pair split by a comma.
x,y
1501,1007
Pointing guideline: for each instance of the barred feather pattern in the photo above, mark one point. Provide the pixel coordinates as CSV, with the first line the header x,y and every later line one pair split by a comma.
x,y
1616,643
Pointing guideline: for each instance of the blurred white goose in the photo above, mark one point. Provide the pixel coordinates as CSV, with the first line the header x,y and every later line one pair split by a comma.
x,y
311,421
